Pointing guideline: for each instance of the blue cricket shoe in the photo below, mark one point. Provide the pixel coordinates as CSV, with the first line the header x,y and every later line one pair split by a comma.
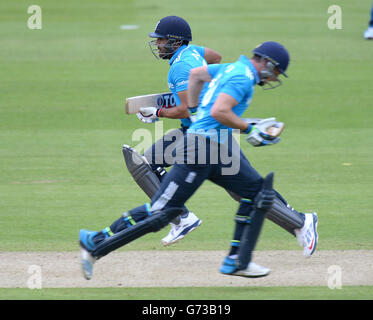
x,y
253,270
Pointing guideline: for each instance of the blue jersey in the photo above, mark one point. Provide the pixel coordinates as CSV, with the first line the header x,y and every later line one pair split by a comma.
x,y
235,79
185,59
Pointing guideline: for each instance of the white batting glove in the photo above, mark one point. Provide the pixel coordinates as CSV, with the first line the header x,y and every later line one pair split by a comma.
x,y
257,134
148,114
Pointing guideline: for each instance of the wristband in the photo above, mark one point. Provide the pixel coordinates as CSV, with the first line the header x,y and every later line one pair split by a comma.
x,y
158,113
193,110
248,129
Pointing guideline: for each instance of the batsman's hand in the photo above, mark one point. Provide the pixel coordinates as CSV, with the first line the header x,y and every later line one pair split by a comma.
x,y
148,114
265,132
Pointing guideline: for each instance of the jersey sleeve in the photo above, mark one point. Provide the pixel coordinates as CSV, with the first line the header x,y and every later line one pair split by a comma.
x,y
200,50
237,87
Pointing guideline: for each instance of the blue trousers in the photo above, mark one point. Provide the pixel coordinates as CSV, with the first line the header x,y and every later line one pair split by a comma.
x,y
190,171
196,163
223,164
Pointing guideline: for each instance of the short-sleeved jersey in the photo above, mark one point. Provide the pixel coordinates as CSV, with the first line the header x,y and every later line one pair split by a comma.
x,y
235,79
185,59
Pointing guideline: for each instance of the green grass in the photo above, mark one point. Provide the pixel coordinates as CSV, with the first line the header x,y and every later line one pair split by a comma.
x,y
188,293
62,122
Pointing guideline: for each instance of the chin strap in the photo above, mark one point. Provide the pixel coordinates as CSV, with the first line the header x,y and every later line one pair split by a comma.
x,y
269,72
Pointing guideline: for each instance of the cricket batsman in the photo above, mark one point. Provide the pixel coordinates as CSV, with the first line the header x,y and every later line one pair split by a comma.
x,y
229,93
172,35
172,42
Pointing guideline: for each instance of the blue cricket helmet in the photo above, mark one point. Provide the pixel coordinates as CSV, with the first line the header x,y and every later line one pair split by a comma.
x,y
276,53
172,27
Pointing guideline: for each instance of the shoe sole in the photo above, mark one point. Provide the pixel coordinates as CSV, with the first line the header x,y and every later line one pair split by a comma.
x,y
84,262
260,275
317,235
87,275
315,222
165,244
87,266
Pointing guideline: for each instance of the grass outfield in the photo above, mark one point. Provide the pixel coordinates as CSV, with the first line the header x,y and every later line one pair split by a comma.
x,y
195,293
62,125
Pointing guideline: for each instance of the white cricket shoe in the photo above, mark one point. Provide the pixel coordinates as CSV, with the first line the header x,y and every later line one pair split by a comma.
x,y
179,231
368,34
253,270
307,235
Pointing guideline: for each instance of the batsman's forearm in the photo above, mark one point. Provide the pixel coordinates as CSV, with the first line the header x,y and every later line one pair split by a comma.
x,y
174,113
194,90
230,119
212,56
222,111
197,78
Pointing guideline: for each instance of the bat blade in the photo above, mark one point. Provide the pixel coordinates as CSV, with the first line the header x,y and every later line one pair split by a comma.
x,y
157,100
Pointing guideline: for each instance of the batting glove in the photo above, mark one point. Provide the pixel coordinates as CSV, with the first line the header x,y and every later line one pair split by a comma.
x,y
257,134
148,114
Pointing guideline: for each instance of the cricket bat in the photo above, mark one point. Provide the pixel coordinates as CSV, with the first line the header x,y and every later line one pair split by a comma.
x,y
158,100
